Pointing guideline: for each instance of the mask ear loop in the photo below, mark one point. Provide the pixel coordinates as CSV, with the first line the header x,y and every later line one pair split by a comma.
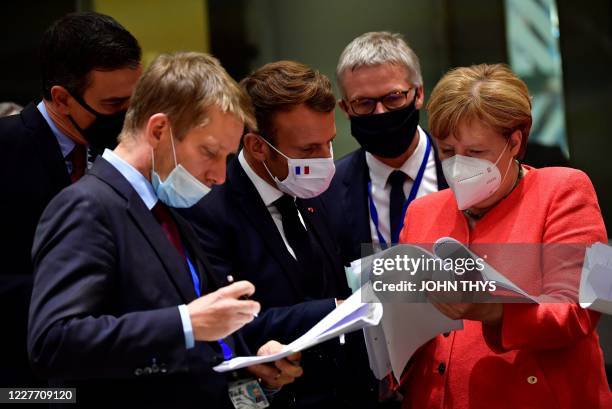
x,y
509,163
173,150
264,162
273,147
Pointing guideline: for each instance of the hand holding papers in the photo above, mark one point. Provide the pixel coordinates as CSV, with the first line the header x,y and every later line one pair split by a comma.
x,y
596,280
351,315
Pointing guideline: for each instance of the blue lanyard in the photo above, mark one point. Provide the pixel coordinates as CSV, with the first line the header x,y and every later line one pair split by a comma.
x,y
227,351
411,197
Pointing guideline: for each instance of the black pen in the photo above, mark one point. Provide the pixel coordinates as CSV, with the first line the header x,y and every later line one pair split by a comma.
x,y
230,280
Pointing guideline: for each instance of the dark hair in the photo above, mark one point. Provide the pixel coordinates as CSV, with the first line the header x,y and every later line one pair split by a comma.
x,y
81,42
281,86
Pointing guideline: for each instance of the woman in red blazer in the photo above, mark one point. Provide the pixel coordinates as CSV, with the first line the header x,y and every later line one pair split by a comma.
x,y
509,355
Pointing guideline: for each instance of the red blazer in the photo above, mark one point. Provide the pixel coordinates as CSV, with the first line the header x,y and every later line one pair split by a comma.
x,y
542,355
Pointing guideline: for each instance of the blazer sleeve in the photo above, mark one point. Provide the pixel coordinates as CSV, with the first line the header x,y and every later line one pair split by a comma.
x,y
573,218
70,334
285,324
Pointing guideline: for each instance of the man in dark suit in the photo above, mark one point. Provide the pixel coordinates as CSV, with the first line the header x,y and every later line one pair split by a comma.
x,y
124,307
267,225
89,67
379,77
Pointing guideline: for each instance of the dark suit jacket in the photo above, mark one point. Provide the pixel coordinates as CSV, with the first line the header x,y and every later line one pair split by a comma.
x,y
33,172
104,314
347,202
239,237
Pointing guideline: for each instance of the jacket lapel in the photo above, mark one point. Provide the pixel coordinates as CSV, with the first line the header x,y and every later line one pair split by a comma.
x,y
442,184
47,146
208,282
170,258
311,211
252,205
355,200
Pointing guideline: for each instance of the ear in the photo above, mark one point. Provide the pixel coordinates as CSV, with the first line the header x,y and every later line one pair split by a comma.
x,y
516,139
257,148
155,129
61,99
344,107
420,99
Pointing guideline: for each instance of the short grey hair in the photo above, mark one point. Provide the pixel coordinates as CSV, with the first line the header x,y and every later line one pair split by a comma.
x,y
376,48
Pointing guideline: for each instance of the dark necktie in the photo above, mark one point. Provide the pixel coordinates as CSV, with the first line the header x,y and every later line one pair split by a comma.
x,y
295,232
396,203
168,225
78,157
306,250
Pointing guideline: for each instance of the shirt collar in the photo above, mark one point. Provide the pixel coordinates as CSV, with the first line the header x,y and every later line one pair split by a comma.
x,y
66,144
379,172
268,193
140,183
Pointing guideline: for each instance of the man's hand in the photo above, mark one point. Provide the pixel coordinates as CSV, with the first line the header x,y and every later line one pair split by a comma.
x,y
218,314
283,371
488,313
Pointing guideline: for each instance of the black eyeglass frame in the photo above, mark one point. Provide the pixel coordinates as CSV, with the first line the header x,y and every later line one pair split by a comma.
x,y
404,93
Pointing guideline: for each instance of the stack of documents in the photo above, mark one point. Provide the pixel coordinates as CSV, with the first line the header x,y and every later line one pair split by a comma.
x,y
351,315
596,279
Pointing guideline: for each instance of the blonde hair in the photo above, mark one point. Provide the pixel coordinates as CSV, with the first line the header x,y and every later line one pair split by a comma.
x,y
492,94
377,48
182,86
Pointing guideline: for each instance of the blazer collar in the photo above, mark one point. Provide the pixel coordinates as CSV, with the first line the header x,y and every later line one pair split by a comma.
x,y
172,261
253,206
46,144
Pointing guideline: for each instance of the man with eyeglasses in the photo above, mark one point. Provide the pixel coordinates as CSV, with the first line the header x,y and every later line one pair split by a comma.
x,y
380,81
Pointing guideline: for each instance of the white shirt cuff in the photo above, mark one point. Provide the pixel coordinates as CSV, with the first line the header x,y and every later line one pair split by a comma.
x,y
187,328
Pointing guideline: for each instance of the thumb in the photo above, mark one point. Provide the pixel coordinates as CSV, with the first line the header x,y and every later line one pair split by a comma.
x,y
238,289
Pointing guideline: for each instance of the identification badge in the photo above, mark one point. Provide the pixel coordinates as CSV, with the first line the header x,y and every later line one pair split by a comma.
x,y
247,394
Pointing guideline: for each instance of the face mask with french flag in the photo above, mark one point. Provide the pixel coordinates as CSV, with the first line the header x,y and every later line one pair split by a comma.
x,y
308,177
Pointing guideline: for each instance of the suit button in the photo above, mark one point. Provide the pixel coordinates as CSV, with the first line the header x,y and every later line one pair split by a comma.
x,y
138,372
532,380
441,368
446,334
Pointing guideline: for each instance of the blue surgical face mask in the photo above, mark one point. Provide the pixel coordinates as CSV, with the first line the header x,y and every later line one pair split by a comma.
x,y
180,189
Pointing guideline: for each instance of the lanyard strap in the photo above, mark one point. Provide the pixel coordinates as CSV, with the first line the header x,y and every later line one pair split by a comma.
x,y
226,349
413,192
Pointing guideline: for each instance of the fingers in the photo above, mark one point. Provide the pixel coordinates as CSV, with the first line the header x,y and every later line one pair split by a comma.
x,y
269,348
247,307
266,372
289,368
237,290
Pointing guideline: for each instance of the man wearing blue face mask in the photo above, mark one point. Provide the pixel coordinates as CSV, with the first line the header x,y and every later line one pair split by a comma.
x,y
379,77
123,299
266,224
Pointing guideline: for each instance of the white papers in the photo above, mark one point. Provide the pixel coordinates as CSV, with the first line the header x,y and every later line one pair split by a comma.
x,y
405,328
596,279
351,315
447,247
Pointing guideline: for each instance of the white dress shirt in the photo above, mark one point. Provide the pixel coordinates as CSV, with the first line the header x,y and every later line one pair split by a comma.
x,y
269,194
381,190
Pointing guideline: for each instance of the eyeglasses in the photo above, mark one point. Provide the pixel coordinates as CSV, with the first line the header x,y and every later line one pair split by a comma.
x,y
392,101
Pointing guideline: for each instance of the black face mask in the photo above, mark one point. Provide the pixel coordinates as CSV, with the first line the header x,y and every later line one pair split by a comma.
x,y
103,131
389,134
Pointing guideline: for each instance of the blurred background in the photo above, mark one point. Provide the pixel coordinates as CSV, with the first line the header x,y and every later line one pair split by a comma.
x,y
562,49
